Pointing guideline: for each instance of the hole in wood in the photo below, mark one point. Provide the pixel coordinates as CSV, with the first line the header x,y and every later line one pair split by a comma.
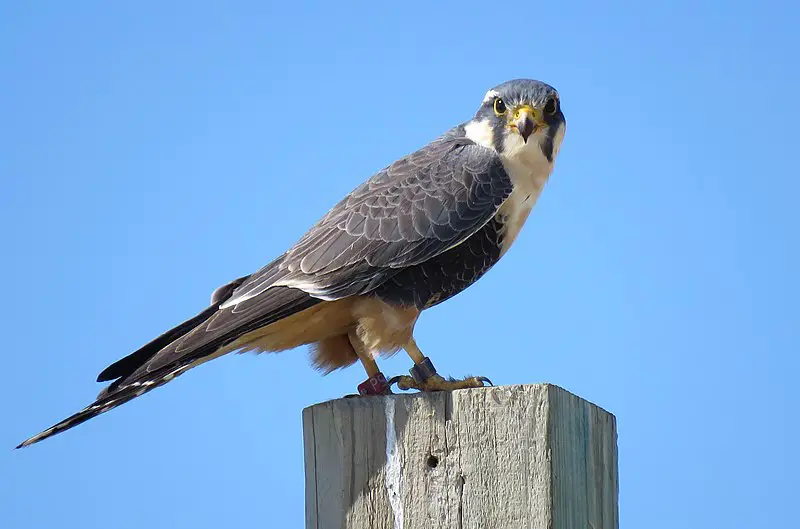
x,y
432,461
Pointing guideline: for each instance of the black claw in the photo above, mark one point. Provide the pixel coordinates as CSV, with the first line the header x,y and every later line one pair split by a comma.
x,y
394,380
486,379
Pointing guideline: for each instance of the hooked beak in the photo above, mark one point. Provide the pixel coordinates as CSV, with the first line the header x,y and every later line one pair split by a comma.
x,y
527,120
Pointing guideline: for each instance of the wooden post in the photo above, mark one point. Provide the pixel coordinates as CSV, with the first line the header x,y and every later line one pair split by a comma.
x,y
505,457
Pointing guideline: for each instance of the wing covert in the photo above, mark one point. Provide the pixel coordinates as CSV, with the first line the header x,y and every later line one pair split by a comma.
x,y
409,212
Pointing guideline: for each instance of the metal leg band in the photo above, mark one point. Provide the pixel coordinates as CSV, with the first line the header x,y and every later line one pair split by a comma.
x,y
422,371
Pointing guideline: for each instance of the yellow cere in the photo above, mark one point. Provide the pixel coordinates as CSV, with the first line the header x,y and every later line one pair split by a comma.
x,y
535,113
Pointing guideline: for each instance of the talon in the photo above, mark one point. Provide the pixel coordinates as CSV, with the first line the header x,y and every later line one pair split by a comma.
x,y
403,382
469,382
437,383
486,380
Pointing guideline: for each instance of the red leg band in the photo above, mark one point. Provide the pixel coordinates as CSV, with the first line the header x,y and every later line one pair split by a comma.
x,y
376,385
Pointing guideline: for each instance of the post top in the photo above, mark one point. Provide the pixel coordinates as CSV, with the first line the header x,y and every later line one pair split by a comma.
x,y
495,392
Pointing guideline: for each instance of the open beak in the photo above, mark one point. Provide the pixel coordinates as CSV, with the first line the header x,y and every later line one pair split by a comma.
x,y
527,120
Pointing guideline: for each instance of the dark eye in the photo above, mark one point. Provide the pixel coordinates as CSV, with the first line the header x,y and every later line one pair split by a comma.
x,y
551,107
499,107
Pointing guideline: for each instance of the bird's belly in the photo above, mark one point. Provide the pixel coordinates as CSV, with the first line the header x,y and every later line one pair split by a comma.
x,y
442,277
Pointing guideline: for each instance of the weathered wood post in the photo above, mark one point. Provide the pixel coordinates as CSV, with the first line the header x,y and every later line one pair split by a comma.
x,y
504,457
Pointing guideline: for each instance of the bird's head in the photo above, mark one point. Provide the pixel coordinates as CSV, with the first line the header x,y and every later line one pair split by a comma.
x,y
519,118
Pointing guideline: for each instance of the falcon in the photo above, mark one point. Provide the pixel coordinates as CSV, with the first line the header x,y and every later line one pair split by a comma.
x,y
413,235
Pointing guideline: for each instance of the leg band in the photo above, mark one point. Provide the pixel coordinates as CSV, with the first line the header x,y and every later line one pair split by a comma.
x,y
376,385
422,371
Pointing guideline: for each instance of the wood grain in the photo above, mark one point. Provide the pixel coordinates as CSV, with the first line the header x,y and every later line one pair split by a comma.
x,y
532,456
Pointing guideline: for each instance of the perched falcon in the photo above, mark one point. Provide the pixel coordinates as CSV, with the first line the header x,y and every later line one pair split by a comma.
x,y
415,234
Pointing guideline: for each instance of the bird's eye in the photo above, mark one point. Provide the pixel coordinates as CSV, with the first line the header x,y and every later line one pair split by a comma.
x,y
551,107
499,107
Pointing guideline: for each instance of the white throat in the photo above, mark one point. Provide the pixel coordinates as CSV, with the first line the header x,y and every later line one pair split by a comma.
x,y
528,168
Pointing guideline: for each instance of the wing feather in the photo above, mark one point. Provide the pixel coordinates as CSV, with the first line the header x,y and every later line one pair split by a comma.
x,y
411,211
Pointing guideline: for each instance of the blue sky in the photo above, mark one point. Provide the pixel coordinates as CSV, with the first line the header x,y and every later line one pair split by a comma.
x,y
152,151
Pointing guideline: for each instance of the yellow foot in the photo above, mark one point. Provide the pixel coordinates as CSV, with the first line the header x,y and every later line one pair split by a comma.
x,y
437,383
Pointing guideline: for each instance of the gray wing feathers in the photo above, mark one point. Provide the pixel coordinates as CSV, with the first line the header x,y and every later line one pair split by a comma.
x,y
224,292
407,213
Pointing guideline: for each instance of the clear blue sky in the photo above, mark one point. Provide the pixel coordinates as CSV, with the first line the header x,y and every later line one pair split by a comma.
x,y
152,151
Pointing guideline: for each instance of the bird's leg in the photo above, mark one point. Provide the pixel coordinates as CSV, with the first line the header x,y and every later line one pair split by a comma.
x,y
424,377
376,384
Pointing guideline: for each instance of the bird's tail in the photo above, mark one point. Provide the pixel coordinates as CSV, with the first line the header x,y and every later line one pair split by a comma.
x,y
98,407
144,370
120,392
108,401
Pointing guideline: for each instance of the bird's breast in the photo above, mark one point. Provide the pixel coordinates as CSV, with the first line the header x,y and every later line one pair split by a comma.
x,y
529,180
512,215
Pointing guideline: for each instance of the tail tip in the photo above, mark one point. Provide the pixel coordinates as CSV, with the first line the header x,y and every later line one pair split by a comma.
x,y
38,437
23,444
